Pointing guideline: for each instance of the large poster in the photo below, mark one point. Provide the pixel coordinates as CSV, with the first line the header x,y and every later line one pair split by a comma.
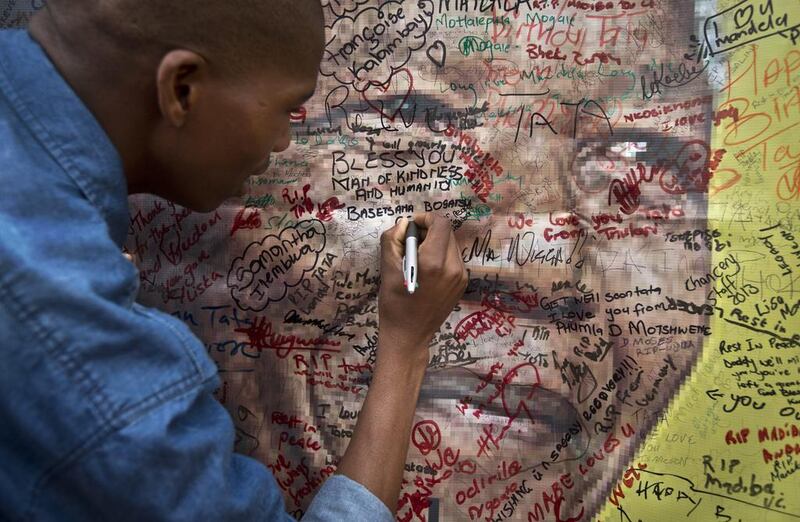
x,y
623,181
623,178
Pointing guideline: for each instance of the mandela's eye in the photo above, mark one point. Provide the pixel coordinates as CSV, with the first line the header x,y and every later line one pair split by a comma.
x,y
595,164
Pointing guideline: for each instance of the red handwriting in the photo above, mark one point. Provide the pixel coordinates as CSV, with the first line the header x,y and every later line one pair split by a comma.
x,y
614,233
221,393
572,34
304,204
552,235
630,477
755,129
326,208
691,170
478,323
177,244
515,349
193,285
401,83
787,450
300,204
291,421
301,359
611,443
140,221
536,51
312,370
304,441
253,220
332,385
523,375
739,437
569,219
357,368
667,108
505,471
611,26
520,221
788,185
298,481
510,302
482,165
717,117
553,499
261,337
148,275
602,57
476,510
427,438
777,434
485,381
665,212
626,192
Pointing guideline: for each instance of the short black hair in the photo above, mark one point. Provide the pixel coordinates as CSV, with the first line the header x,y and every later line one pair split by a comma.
x,y
234,34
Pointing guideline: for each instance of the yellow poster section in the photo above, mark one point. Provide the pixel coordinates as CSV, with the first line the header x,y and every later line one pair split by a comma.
x,y
728,447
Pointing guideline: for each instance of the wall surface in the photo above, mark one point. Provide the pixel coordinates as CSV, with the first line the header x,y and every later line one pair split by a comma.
x,y
623,178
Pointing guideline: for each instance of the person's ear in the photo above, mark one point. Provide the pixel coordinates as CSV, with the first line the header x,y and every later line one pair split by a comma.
x,y
179,81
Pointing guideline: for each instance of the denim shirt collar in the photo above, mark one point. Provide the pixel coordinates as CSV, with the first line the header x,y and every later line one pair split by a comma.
x,y
65,127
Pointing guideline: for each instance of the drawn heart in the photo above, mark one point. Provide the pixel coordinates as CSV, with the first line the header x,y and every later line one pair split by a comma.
x,y
743,16
437,53
389,98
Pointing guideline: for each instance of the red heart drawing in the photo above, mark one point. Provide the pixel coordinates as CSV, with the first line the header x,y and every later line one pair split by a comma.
x,y
400,83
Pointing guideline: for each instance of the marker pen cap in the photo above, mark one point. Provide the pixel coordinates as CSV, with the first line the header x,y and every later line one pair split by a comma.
x,y
411,231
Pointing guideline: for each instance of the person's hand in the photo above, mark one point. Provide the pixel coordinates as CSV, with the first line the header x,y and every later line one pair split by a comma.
x,y
407,322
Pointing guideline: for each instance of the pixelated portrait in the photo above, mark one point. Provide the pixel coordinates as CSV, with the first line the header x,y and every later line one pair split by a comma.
x,y
623,181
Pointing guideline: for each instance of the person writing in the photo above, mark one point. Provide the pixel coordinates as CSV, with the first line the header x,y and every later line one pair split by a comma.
x,y
107,410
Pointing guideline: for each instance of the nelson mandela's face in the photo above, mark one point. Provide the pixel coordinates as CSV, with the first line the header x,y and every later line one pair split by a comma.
x,y
578,195
571,178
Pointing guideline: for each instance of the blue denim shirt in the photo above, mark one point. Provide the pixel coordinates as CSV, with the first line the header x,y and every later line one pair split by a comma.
x,y
106,406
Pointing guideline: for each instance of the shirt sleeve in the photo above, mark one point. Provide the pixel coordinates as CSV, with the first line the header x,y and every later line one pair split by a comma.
x,y
341,498
176,462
